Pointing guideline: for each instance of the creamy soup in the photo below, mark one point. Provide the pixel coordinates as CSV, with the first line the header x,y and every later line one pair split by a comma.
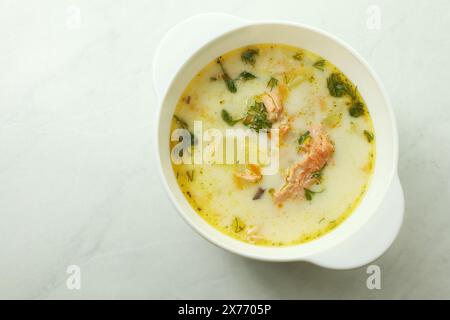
x,y
324,134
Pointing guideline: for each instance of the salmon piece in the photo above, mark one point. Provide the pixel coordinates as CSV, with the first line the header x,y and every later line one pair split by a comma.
x,y
284,129
318,153
273,106
273,101
251,174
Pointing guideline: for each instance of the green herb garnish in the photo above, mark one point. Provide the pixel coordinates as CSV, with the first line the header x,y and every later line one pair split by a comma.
x,y
190,175
249,56
257,117
303,138
237,225
180,122
226,77
369,135
273,82
298,56
357,109
244,75
336,86
183,124
309,194
228,118
320,64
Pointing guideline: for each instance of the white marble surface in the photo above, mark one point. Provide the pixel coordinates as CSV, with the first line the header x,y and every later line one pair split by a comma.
x,y
78,182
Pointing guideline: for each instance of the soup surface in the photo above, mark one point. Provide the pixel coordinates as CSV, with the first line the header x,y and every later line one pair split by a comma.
x,y
324,137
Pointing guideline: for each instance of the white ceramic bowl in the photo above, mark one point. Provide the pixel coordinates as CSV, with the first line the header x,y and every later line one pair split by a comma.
x,y
192,44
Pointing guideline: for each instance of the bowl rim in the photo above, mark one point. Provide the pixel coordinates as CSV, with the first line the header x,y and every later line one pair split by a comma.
x,y
263,256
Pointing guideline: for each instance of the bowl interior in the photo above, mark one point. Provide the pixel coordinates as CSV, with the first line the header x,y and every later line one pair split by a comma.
x,y
345,59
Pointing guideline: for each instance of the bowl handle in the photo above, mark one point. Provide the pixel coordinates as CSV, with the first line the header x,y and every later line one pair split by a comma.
x,y
183,40
373,239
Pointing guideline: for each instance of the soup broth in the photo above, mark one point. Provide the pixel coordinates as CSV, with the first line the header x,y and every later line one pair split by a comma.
x,y
326,144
